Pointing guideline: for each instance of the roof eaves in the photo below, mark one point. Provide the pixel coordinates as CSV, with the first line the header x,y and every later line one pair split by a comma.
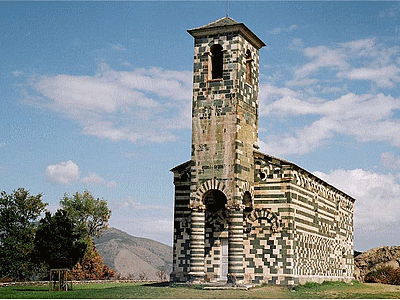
x,y
304,170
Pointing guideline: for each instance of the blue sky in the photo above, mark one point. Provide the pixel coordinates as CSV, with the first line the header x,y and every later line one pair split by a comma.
x,y
97,96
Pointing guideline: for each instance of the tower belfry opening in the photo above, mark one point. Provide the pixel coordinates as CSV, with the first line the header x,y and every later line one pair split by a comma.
x,y
216,64
242,216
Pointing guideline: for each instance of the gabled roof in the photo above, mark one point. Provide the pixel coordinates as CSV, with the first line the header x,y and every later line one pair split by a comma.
x,y
181,166
226,25
285,162
226,21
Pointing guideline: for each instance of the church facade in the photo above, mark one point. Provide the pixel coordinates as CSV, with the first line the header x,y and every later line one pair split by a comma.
x,y
242,216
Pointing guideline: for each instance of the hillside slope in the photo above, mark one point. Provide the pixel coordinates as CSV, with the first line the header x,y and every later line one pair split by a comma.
x,y
134,255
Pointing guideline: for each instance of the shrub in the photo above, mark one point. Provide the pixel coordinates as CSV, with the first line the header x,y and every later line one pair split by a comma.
x,y
5,280
386,275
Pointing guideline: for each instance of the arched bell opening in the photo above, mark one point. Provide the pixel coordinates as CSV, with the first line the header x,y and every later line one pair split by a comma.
x,y
217,59
249,62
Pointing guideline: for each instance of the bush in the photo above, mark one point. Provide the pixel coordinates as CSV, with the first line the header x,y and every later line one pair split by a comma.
x,y
386,275
6,280
91,266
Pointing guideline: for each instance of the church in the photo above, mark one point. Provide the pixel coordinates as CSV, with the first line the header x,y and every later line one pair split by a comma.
x,y
242,216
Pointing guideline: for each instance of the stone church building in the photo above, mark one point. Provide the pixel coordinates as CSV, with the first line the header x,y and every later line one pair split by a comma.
x,y
242,216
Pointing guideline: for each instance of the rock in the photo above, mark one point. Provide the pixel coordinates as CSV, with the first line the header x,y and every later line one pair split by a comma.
x,y
374,259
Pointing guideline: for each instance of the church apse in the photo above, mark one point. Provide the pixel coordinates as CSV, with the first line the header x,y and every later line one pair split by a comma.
x,y
241,216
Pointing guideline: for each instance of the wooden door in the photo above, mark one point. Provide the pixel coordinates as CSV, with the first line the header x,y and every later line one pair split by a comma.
x,y
223,271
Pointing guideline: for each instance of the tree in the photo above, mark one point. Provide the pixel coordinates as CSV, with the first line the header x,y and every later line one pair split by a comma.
x,y
18,213
90,214
57,242
91,267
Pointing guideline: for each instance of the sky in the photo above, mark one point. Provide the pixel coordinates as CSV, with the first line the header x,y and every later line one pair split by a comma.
x,y
97,96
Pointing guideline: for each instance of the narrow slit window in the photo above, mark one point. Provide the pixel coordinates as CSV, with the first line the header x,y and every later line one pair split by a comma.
x,y
249,61
216,61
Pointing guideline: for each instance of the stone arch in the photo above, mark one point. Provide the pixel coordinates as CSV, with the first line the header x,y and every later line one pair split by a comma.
x,y
265,214
247,197
212,184
247,187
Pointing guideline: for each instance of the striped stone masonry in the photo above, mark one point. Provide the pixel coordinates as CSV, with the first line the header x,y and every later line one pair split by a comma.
x,y
242,216
197,273
235,250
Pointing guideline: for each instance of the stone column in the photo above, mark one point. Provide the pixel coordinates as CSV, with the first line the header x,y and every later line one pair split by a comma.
x,y
197,273
235,250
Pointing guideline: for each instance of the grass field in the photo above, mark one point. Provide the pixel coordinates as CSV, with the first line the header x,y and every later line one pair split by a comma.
x,y
141,290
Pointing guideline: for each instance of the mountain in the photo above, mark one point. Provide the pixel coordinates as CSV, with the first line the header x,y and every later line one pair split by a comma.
x,y
376,258
134,256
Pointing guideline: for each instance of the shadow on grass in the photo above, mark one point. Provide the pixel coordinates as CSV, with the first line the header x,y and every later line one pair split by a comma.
x,y
158,284
30,290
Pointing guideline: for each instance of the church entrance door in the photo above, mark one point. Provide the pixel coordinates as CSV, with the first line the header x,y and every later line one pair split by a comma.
x,y
223,270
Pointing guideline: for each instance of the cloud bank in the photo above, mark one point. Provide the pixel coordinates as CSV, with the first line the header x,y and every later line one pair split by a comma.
x,y
67,172
316,104
145,105
377,195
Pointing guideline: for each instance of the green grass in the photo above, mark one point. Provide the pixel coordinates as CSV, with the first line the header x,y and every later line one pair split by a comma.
x,y
141,290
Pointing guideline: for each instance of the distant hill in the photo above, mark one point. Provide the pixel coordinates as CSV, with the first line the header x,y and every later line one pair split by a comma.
x,y
134,255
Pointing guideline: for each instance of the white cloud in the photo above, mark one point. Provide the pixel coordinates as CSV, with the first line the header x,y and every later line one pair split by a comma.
x,y
365,117
321,57
283,29
315,105
95,179
390,12
64,172
296,44
118,47
144,105
355,60
18,73
68,172
377,196
390,161
387,76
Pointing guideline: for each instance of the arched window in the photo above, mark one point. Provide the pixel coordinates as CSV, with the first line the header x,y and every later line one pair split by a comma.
x,y
248,204
216,57
248,67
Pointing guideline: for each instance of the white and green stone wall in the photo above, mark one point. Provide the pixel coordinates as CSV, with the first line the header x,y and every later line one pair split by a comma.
x,y
279,223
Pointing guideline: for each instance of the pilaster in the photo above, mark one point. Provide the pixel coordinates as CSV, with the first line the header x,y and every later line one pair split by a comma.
x,y
235,250
197,268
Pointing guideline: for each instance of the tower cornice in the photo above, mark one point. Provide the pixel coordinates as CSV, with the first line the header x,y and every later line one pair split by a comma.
x,y
224,26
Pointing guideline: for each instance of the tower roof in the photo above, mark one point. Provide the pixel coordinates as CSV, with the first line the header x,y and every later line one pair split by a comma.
x,y
226,25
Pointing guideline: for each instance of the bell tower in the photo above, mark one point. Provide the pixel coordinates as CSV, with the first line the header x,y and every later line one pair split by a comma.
x,y
224,133
225,106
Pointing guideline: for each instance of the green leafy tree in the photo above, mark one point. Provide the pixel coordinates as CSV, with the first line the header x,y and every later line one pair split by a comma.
x,y
91,217
57,242
18,213
90,214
